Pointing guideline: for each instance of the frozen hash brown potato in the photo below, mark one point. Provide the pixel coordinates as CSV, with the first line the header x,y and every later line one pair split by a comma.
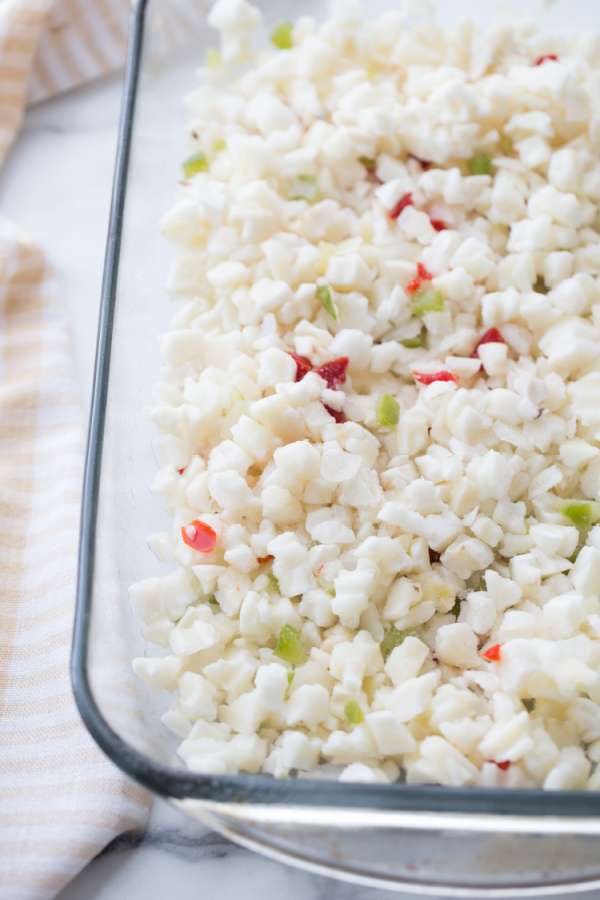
x,y
379,407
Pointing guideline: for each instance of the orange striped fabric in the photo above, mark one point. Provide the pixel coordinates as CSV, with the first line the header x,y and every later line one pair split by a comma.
x,y
49,46
81,41
60,800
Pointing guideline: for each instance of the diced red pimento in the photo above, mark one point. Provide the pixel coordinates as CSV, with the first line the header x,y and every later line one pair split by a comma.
x,y
423,274
547,57
303,365
493,653
337,414
334,371
430,377
262,560
181,471
504,764
199,536
403,202
491,336
438,224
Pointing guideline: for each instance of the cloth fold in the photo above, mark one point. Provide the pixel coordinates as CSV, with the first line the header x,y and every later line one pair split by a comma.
x,y
61,800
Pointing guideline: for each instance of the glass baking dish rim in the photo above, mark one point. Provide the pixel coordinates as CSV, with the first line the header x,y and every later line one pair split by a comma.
x,y
176,783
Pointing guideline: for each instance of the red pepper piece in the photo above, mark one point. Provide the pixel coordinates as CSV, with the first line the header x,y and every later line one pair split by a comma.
x,y
181,471
493,653
548,57
424,163
337,414
403,202
430,377
439,224
423,273
303,365
199,536
504,764
491,336
334,371
261,560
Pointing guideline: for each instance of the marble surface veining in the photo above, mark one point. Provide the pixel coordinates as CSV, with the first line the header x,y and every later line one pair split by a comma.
x,y
56,185
179,859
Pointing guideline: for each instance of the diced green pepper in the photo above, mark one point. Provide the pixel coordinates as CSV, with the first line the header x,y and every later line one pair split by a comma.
x,y
289,646
455,611
353,712
427,300
414,342
582,513
369,163
306,187
481,164
393,637
281,36
194,164
388,411
213,600
326,300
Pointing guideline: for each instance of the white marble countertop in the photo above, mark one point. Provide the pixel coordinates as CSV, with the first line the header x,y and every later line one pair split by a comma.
x,y
56,185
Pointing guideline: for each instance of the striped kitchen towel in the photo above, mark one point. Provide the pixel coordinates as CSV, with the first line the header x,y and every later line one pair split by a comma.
x,y
48,46
61,801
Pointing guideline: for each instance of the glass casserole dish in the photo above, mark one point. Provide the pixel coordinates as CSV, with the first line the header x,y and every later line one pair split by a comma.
x,y
445,841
